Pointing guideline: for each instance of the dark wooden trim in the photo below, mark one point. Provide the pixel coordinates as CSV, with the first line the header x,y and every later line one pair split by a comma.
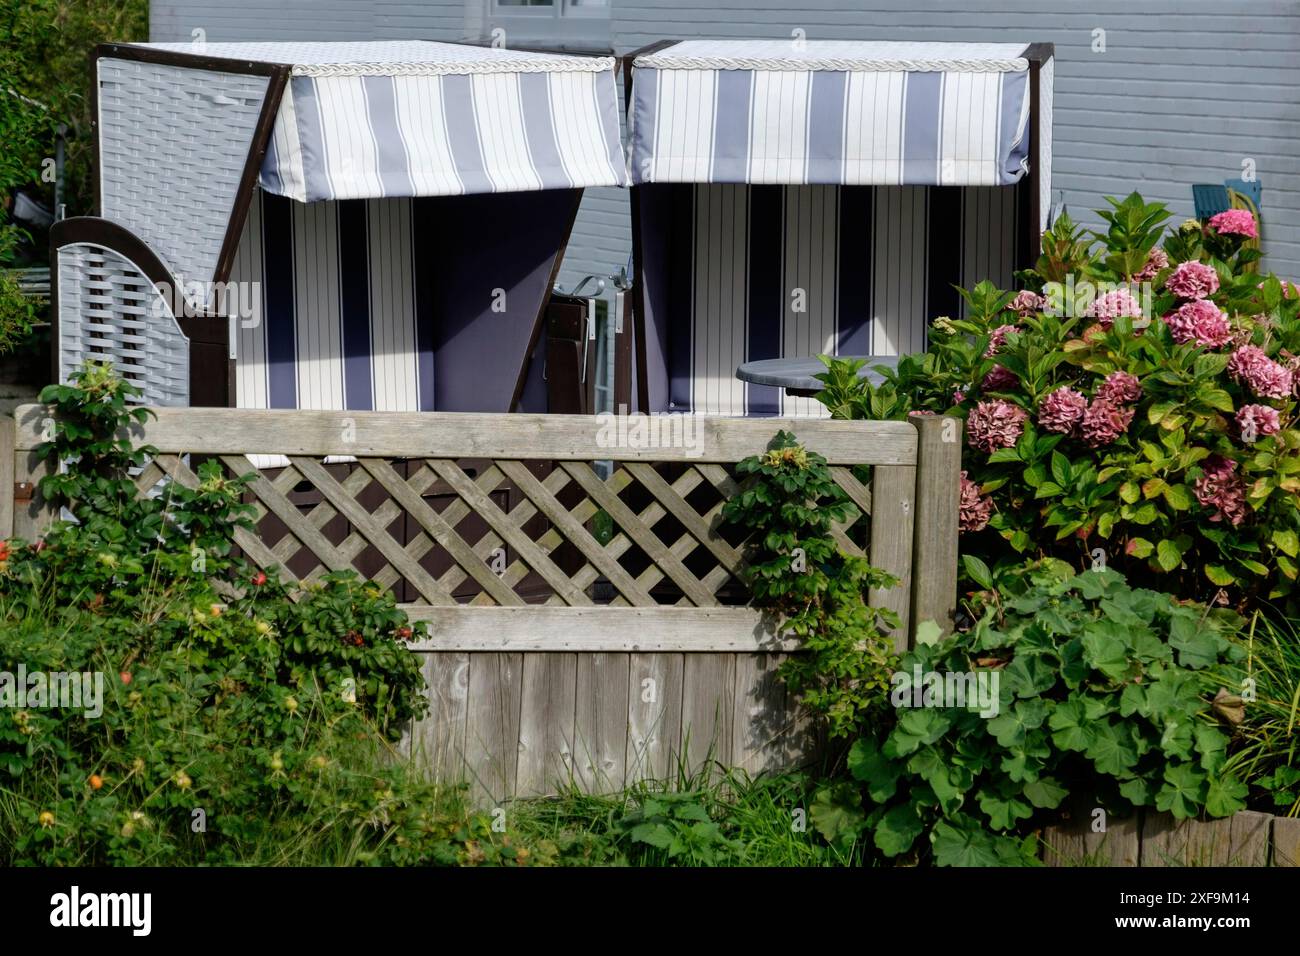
x,y
111,235
96,208
193,61
636,301
252,166
540,322
637,310
208,333
1031,211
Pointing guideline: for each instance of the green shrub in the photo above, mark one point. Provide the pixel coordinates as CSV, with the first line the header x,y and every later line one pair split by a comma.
x,y
1167,440
1102,696
270,709
798,573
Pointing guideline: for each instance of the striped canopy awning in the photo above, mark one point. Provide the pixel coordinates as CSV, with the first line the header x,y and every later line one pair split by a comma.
x,y
373,120
831,112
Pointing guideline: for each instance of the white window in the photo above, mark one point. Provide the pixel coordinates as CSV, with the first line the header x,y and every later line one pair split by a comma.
x,y
553,24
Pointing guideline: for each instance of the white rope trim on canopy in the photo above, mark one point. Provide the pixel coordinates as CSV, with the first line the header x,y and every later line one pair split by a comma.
x,y
391,58
837,56
557,65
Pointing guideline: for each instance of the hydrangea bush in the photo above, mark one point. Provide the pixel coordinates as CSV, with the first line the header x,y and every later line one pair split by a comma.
x,y
1134,404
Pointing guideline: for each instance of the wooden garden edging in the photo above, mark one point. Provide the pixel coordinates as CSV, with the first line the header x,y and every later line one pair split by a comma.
x,y
557,650
1249,838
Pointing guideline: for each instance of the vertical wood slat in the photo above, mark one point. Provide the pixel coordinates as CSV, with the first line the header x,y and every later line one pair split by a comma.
x,y
32,517
1286,841
1075,843
546,723
438,741
934,548
708,688
893,502
601,722
761,727
7,464
654,732
492,724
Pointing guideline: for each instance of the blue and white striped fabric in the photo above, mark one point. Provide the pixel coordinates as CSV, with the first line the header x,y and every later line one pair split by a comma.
x,y
374,120
337,318
831,112
768,271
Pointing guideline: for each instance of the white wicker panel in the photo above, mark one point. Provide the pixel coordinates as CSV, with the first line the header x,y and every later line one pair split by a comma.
x,y
172,147
109,311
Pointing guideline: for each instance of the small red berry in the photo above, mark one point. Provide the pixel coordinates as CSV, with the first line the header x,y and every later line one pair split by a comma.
x,y
259,579
96,781
126,677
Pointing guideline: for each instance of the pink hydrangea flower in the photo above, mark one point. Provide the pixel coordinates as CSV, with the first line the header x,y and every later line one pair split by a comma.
x,y
1120,388
1193,280
1251,366
1000,379
1222,490
1061,410
974,509
1109,307
920,411
1104,421
995,424
1235,222
958,397
1156,260
1199,321
996,338
1257,421
1027,302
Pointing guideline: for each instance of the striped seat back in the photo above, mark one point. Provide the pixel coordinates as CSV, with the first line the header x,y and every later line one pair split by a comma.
x,y
772,271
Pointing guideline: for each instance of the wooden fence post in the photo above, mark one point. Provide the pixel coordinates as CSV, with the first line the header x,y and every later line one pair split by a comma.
x,y
893,508
6,476
31,516
934,549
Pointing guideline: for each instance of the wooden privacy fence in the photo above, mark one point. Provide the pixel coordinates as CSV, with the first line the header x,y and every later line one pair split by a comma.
x,y
582,626
1150,838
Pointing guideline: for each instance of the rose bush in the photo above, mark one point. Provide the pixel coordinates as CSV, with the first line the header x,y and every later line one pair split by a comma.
x,y
1135,403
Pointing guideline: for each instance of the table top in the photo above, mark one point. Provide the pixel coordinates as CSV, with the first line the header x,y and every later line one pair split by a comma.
x,y
797,372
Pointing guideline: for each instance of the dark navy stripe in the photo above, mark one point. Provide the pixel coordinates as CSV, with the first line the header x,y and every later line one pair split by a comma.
x,y
766,297
277,287
354,304
681,292
853,320
424,258
945,252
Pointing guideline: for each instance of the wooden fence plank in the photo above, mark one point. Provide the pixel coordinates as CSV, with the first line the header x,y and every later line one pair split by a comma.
x,y
439,740
675,505
546,716
1248,839
304,432
708,690
893,490
492,725
6,476
601,721
759,722
628,629
1286,841
654,734
1075,843
934,550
